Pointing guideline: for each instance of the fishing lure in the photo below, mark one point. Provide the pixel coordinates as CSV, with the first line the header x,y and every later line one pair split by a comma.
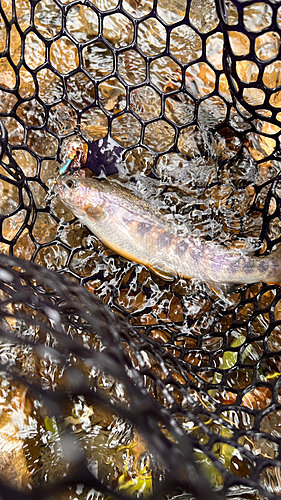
x,y
75,157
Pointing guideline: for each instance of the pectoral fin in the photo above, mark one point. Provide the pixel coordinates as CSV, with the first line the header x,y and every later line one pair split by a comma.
x,y
94,213
163,272
224,292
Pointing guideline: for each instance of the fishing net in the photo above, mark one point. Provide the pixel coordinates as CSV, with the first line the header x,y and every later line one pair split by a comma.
x,y
115,383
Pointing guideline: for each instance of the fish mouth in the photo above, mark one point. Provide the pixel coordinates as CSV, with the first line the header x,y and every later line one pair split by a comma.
x,y
53,192
59,186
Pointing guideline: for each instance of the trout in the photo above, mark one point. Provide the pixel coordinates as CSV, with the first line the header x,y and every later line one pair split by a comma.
x,y
139,232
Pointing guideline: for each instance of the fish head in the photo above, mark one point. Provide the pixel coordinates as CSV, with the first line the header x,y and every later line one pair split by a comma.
x,y
76,193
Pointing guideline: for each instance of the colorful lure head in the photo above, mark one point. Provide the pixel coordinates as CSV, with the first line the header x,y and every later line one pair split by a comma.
x,y
75,157
65,166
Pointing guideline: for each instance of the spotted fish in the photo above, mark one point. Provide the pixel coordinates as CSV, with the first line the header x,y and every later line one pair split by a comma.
x,y
139,232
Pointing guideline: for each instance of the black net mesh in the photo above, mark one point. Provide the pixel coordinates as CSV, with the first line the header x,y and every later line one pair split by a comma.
x,y
179,101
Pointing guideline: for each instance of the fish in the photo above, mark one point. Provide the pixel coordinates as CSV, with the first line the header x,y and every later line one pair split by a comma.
x,y
134,229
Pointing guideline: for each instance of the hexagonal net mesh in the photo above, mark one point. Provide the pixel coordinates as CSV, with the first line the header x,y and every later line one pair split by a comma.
x,y
179,101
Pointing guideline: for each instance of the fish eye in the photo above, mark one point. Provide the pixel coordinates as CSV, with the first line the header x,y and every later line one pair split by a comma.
x,y
71,183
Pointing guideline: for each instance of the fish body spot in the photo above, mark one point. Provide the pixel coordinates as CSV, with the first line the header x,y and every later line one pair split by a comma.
x,y
94,213
127,220
164,239
248,266
234,266
197,254
218,263
263,266
181,248
144,228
